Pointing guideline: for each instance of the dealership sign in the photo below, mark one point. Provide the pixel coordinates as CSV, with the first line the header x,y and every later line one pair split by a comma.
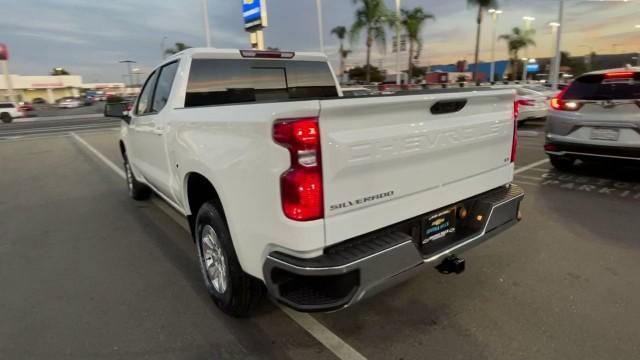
x,y
254,13
4,53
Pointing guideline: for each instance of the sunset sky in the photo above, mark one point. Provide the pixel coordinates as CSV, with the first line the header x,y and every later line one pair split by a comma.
x,y
89,38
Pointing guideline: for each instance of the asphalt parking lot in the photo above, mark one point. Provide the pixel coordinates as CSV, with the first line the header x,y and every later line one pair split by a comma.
x,y
87,273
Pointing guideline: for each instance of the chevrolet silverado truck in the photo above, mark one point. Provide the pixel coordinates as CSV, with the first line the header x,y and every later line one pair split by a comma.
x,y
320,199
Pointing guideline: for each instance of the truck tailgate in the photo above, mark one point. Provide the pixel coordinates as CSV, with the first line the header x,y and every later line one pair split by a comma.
x,y
387,159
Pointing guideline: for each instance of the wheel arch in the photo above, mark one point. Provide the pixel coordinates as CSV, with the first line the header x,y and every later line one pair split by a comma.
x,y
198,189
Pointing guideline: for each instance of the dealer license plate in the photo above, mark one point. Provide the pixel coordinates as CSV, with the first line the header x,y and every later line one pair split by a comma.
x,y
439,226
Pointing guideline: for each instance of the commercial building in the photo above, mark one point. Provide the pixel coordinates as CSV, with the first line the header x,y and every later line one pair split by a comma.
x,y
51,88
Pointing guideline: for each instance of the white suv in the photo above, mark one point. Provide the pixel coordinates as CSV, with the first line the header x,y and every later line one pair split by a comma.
x,y
10,111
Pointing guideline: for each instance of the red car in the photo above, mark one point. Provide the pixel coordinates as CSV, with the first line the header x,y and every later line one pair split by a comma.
x,y
25,106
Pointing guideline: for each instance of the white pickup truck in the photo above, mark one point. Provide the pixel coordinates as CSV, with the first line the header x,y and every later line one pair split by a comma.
x,y
323,199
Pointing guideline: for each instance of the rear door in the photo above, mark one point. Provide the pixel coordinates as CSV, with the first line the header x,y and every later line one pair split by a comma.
x,y
387,159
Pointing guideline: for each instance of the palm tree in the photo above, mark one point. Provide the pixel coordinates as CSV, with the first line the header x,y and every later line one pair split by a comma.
x,y
413,21
177,48
341,33
372,16
517,40
482,5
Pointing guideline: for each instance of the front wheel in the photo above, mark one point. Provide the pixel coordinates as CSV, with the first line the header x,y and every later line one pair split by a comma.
x,y
234,291
6,118
561,163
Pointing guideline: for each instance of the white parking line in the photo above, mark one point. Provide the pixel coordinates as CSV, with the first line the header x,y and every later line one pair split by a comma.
x,y
320,332
530,166
330,340
99,155
528,177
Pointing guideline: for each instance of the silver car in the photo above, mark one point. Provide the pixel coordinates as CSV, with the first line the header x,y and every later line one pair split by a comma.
x,y
596,117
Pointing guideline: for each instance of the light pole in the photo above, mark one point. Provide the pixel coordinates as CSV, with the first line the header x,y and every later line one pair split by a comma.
x,y
320,27
494,17
527,26
398,75
164,52
128,62
205,17
556,64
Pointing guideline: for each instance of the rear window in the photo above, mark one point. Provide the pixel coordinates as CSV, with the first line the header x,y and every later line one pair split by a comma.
x,y
230,81
599,87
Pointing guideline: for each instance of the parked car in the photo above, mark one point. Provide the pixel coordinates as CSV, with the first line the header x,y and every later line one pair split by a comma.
x,y
325,200
25,106
39,100
69,103
533,105
596,117
10,111
88,101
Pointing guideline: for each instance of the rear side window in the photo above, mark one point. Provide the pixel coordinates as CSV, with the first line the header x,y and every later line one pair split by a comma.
x,y
229,81
144,100
601,87
163,89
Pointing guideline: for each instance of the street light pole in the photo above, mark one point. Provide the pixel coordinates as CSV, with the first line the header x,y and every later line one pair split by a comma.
x,y
527,26
128,62
398,75
556,64
164,52
205,17
494,17
320,27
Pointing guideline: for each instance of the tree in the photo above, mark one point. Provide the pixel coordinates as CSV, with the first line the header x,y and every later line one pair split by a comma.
x,y
517,40
482,5
59,71
366,73
372,16
177,48
341,32
413,21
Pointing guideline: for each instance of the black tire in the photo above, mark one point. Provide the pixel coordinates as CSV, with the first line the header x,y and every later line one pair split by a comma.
x,y
137,190
561,163
6,118
242,293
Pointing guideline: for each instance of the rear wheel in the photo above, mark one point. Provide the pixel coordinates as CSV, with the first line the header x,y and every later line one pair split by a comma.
x,y
561,163
6,118
137,190
234,291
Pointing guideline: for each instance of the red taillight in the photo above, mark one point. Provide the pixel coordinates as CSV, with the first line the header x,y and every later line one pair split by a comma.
x,y
619,75
514,141
558,103
301,184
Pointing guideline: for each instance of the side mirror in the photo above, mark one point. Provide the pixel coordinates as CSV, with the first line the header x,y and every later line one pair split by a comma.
x,y
119,110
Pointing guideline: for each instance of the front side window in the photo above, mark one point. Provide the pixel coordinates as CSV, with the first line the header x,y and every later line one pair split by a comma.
x,y
163,89
144,100
228,81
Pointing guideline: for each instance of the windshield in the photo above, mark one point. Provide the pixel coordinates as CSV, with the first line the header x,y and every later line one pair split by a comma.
x,y
599,87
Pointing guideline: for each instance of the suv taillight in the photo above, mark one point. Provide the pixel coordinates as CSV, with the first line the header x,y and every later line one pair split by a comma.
x,y
514,141
558,103
301,184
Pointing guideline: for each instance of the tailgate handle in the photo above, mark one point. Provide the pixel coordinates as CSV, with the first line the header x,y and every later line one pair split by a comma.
x,y
448,106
